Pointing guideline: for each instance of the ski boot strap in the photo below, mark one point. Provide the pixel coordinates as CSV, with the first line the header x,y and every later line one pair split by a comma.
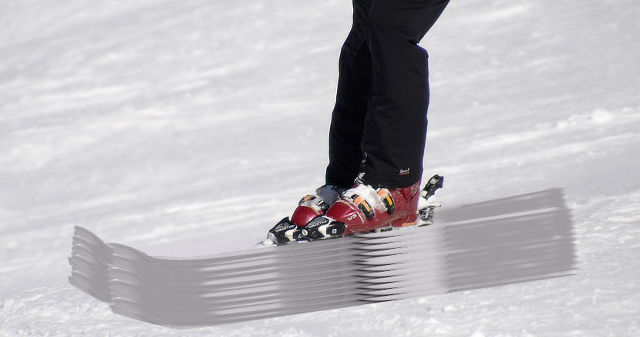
x,y
363,205
314,202
283,232
387,200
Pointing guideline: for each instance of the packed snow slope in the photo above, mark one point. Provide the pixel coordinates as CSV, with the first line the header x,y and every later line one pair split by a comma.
x,y
189,127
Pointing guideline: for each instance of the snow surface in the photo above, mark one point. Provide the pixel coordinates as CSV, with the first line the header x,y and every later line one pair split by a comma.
x,y
190,127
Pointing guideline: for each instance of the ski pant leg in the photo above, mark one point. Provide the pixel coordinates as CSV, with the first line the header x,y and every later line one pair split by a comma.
x,y
394,133
347,119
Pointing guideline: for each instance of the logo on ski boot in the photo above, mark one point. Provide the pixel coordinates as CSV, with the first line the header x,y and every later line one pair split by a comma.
x,y
283,232
322,227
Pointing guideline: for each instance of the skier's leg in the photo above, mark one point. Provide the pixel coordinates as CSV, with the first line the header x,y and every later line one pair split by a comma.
x,y
347,121
394,132
354,84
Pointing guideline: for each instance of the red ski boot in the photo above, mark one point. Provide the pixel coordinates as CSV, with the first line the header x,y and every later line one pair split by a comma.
x,y
309,208
363,208
313,205
358,209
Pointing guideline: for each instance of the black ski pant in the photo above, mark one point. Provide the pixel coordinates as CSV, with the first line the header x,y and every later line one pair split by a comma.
x,y
379,122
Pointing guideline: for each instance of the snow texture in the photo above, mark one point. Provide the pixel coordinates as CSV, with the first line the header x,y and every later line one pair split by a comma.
x,y
190,127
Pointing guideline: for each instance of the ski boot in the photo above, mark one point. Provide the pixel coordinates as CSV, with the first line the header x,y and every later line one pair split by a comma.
x,y
363,209
356,210
313,205
310,207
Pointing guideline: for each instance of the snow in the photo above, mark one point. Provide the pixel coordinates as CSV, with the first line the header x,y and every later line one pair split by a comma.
x,y
189,128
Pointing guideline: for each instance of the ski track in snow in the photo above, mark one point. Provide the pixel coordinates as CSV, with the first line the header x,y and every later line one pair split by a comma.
x,y
189,128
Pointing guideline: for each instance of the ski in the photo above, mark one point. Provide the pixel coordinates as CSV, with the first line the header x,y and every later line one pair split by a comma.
x,y
514,239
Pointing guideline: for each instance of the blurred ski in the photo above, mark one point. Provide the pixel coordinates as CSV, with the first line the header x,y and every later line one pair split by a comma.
x,y
515,239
